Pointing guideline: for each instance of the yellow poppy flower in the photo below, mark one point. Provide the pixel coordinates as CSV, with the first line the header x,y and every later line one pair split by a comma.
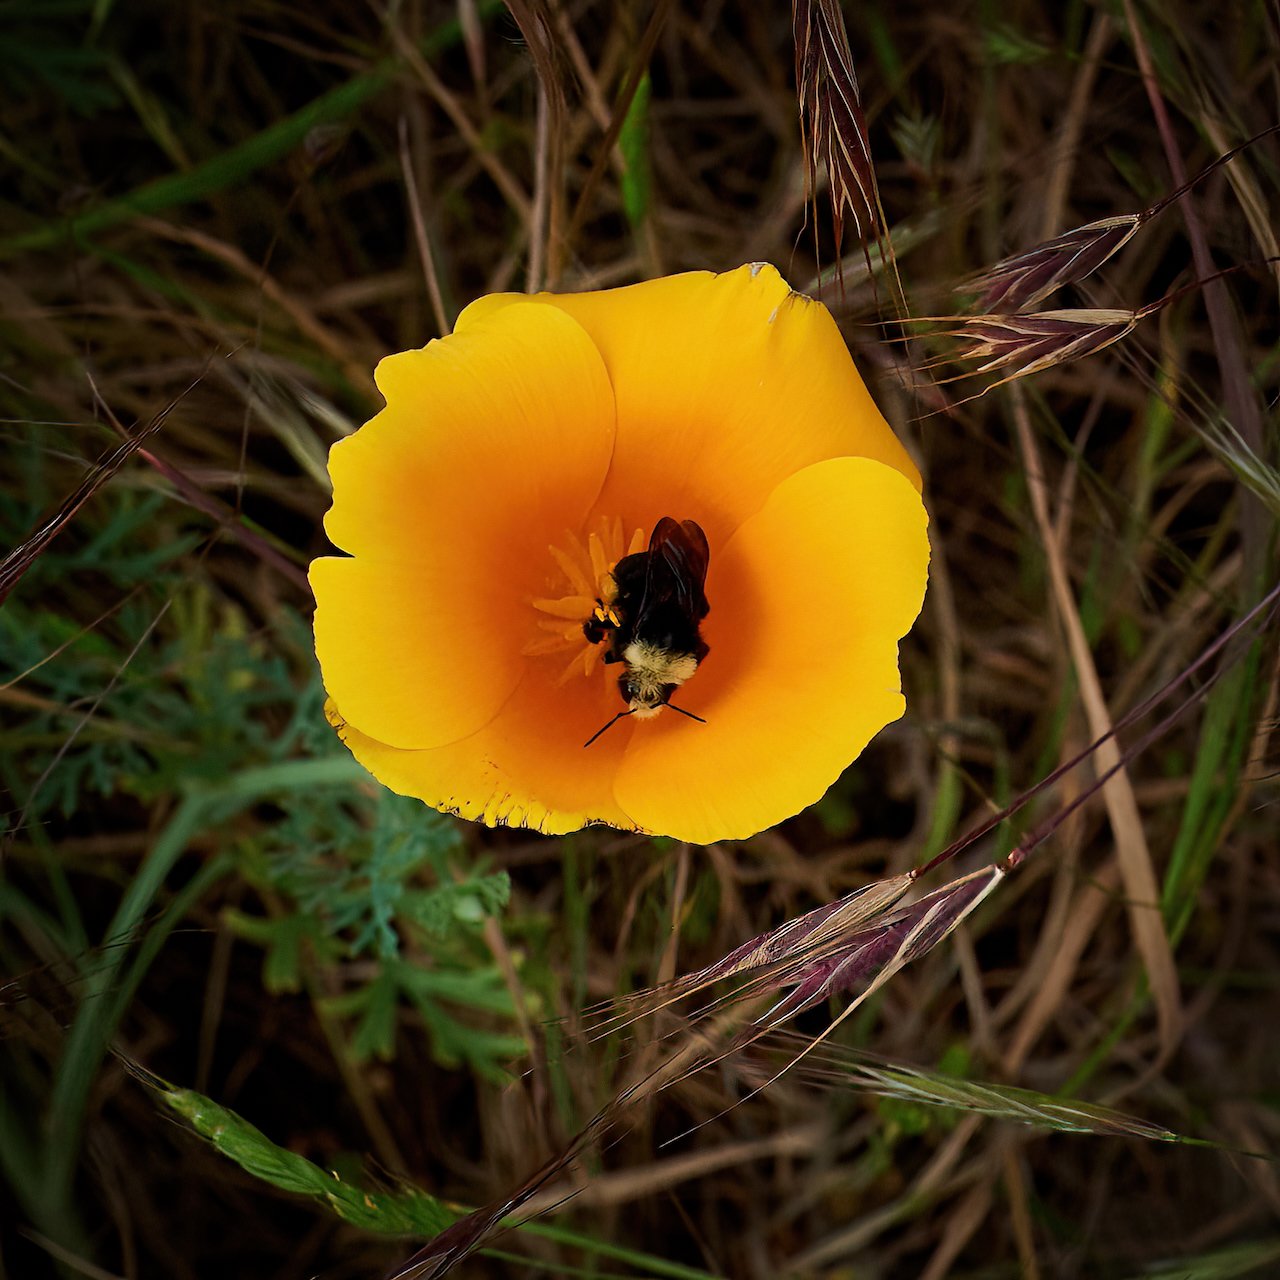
x,y
519,459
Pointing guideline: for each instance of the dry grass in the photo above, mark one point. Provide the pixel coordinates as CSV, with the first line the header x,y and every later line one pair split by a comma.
x,y
184,251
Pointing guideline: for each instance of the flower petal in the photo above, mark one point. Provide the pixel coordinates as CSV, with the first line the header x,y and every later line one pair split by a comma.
x,y
808,602
492,441
407,649
526,767
513,412
725,385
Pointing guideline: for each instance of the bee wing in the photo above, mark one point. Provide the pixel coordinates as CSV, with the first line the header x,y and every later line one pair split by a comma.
x,y
677,569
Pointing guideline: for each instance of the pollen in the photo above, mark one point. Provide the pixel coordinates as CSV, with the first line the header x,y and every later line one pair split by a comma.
x,y
580,588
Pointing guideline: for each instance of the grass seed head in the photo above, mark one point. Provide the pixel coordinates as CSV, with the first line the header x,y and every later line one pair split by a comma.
x,y
1027,278
833,126
1026,344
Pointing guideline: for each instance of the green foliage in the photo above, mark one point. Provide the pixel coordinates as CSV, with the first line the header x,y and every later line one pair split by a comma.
x,y
359,875
171,703
633,142
355,880
376,1007
198,701
135,708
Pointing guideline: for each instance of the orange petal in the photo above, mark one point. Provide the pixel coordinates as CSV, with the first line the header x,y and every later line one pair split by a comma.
x,y
492,441
409,650
725,385
527,766
808,602
511,415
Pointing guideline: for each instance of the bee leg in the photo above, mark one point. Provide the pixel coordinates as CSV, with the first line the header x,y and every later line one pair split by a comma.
x,y
603,622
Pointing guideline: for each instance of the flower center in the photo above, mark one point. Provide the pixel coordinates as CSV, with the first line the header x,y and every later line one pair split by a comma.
x,y
580,588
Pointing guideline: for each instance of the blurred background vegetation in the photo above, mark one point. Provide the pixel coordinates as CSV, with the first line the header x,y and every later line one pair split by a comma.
x,y
214,221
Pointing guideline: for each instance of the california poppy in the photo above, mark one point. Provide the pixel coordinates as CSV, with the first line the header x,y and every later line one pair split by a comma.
x,y
520,458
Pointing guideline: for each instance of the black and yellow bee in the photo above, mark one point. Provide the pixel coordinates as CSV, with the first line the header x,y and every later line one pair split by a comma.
x,y
650,621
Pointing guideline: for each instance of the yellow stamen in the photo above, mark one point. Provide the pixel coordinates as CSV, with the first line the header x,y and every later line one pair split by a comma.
x,y
579,607
581,588
600,565
578,580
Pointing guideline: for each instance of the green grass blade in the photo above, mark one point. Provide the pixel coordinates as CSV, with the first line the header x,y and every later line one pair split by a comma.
x,y
235,165
1257,1258
94,1021
1219,765
633,142
230,168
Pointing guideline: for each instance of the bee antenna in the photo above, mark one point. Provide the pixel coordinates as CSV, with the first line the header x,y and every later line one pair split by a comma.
x,y
598,732
682,711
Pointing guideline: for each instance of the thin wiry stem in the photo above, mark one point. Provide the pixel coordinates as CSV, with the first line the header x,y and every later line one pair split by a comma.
x,y
1242,404
420,237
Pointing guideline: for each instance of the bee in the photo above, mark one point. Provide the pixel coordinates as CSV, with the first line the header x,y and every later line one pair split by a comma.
x,y
650,621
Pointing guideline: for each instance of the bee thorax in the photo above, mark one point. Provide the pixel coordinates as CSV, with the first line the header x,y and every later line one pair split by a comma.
x,y
652,673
